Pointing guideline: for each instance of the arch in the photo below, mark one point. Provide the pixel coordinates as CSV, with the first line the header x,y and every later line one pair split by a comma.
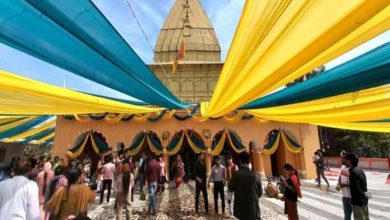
x,y
90,145
226,142
145,141
201,85
187,86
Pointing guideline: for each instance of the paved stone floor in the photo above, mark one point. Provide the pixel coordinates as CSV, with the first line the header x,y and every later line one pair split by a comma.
x,y
316,203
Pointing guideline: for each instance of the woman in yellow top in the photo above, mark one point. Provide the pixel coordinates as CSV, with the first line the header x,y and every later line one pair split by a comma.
x,y
72,199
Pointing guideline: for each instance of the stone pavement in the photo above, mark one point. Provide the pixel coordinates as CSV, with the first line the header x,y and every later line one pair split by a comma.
x,y
316,203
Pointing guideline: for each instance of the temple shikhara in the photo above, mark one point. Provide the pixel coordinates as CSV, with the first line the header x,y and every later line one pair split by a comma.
x,y
188,62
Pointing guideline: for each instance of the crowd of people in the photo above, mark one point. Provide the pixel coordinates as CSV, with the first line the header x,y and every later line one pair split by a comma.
x,y
41,188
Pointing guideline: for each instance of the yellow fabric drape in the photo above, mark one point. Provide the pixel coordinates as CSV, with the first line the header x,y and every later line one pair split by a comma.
x,y
232,144
7,119
16,123
288,145
20,95
274,146
152,147
142,118
365,105
81,148
82,118
178,145
114,118
31,132
137,149
42,140
235,118
192,145
218,148
278,41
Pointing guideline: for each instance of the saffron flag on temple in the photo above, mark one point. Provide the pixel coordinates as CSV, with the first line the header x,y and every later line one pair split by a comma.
x,y
180,55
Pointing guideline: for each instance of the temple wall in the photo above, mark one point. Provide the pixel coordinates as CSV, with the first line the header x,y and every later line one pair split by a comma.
x,y
68,130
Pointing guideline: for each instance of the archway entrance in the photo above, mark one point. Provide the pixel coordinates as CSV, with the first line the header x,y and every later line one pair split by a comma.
x,y
277,157
227,142
89,146
191,144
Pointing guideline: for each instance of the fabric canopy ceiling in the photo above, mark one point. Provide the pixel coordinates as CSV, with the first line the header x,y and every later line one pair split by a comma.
x,y
32,129
366,71
278,41
74,35
20,95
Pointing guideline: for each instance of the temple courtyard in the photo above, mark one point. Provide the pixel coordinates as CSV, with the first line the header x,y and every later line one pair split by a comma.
x,y
316,203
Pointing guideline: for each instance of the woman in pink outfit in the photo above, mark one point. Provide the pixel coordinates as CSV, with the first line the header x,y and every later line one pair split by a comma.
x,y
43,180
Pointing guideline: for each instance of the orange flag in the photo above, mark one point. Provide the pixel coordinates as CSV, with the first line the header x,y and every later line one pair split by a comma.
x,y
180,55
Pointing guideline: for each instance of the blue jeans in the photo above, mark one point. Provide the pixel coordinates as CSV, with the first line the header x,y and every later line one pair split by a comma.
x,y
141,181
152,197
347,205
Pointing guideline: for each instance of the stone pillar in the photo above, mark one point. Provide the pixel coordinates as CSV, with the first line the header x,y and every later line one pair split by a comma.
x,y
261,165
208,157
302,165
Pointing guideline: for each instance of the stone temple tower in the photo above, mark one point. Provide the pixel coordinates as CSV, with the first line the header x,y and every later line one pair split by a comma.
x,y
197,73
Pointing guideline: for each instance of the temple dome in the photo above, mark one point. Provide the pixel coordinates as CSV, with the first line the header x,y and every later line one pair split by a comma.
x,y
187,22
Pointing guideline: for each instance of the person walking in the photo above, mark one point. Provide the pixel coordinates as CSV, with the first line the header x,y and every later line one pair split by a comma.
x,y
320,167
72,199
19,195
200,183
358,188
247,189
162,177
108,176
343,184
218,177
58,181
292,192
124,184
153,171
43,180
179,171
230,169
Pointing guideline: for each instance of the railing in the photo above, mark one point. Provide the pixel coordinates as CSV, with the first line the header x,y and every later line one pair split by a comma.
x,y
365,163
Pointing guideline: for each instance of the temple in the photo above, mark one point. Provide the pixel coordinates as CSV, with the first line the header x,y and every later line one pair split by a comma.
x,y
184,132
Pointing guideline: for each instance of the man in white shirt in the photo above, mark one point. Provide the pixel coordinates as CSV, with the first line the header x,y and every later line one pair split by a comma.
x,y
218,177
19,195
344,185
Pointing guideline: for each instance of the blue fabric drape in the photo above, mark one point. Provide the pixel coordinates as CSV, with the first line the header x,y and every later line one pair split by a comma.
x,y
366,71
23,127
38,136
75,36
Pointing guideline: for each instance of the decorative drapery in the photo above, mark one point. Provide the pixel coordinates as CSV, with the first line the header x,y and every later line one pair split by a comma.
x,y
77,37
23,96
288,140
194,140
272,51
8,130
31,132
366,71
98,145
233,139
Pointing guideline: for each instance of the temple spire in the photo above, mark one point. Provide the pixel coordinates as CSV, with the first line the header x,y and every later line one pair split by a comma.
x,y
187,22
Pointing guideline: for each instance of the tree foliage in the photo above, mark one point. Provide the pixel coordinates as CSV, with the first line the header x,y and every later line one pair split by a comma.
x,y
364,144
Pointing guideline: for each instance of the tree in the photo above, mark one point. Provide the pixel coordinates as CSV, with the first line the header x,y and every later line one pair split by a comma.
x,y
364,144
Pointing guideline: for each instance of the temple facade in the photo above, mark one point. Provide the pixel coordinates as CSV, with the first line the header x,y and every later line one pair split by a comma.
x,y
183,132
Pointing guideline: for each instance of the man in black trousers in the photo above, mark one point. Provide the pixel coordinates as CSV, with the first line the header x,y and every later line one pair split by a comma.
x,y
247,189
200,183
218,177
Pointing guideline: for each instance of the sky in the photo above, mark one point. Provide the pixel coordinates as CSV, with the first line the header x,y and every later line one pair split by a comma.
x,y
151,14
